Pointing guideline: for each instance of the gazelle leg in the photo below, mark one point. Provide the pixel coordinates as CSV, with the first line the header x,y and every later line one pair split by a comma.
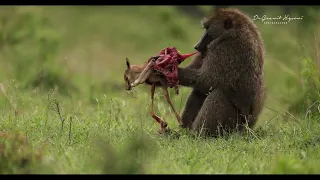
x,y
166,94
162,123
176,90
144,75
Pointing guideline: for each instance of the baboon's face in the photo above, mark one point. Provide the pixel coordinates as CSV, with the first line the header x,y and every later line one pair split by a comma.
x,y
214,27
128,76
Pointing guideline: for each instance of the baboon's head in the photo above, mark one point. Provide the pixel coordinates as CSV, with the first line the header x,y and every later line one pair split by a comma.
x,y
215,25
128,76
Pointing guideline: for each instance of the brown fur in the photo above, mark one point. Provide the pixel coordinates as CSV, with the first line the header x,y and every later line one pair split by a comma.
x,y
228,89
138,74
135,72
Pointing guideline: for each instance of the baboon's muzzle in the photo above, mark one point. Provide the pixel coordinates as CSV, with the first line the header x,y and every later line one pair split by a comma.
x,y
201,46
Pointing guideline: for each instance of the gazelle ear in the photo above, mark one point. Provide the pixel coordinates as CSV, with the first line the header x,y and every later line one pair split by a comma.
x,y
128,63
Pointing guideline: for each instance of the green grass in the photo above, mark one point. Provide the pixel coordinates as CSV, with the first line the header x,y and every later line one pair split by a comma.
x,y
103,129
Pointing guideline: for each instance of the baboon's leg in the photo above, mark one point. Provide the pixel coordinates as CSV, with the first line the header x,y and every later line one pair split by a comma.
x,y
192,107
162,123
195,98
166,94
217,115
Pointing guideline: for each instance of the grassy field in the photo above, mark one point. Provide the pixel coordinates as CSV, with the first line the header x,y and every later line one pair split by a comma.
x,y
64,109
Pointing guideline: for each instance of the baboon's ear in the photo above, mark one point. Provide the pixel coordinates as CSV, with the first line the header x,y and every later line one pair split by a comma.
x,y
228,23
128,63
204,22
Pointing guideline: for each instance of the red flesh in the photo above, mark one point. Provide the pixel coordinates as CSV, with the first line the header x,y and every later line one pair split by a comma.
x,y
167,64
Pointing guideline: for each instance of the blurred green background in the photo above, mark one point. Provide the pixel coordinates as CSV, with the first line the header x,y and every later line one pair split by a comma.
x,y
61,75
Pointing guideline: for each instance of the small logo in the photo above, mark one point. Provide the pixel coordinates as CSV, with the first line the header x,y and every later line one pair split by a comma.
x,y
276,20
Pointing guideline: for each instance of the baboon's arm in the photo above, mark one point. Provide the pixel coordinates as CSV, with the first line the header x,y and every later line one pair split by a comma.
x,y
188,77
207,77
194,78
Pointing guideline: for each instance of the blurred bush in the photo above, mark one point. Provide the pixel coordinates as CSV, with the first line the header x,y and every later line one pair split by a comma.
x,y
173,29
304,89
16,156
130,158
29,45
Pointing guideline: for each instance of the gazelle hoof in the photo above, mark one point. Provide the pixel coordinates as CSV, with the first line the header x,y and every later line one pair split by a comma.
x,y
169,133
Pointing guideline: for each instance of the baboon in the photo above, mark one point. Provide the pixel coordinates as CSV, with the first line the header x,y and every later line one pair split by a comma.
x,y
227,78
